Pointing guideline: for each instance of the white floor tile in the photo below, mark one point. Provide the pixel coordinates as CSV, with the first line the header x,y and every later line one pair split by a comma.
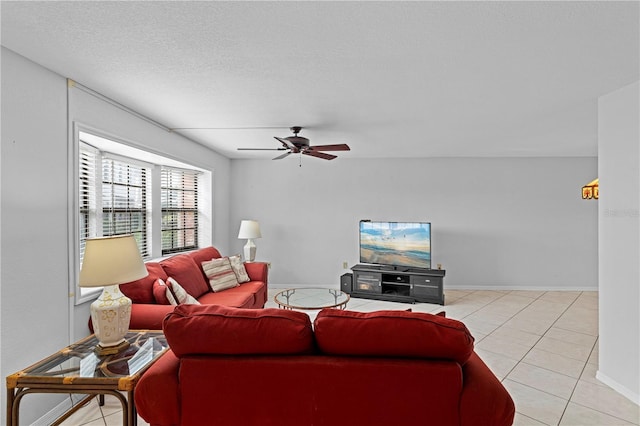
x,y
522,420
577,415
606,400
571,337
561,347
500,365
594,357
536,404
554,362
580,320
542,379
504,347
527,293
515,335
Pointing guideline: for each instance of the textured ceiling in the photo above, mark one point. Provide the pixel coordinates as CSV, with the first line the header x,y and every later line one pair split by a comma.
x,y
391,79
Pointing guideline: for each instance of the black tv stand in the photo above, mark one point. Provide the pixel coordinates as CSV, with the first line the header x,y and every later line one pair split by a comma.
x,y
398,284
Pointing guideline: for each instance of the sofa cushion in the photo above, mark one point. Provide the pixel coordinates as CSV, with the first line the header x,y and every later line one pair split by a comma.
x,y
234,299
204,254
182,296
392,334
238,268
184,270
220,274
163,294
221,330
141,291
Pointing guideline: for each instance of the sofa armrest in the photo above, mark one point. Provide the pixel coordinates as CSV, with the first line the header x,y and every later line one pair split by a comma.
x,y
257,271
146,316
484,401
157,393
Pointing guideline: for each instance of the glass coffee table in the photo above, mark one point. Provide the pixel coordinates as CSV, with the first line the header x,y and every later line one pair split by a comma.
x,y
311,298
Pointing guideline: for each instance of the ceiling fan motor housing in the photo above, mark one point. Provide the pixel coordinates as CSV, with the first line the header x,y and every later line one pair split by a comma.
x,y
298,141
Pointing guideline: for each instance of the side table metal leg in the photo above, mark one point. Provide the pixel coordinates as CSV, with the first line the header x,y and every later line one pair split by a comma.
x,y
11,395
131,409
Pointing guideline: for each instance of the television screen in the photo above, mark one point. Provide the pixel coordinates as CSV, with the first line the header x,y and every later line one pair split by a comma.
x,y
396,243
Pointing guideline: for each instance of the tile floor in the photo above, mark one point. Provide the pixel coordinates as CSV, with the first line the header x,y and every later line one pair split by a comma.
x,y
543,346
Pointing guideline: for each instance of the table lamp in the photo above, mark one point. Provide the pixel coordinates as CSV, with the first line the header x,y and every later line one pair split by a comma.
x,y
249,229
108,262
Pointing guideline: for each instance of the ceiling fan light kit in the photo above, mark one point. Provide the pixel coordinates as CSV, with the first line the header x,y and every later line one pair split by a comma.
x,y
300,145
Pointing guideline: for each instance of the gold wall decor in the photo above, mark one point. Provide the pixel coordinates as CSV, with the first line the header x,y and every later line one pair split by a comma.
x,y
590,190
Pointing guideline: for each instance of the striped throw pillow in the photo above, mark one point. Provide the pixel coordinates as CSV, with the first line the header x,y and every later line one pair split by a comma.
x,y
220,274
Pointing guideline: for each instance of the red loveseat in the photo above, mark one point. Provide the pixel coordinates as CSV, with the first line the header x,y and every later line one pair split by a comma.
x,y
267,367
150,304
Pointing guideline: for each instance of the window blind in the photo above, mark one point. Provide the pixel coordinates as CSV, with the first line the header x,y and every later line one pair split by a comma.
x,y
179,201
124,200
87,194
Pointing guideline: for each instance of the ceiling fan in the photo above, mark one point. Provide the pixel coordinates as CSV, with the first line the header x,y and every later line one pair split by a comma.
x,y
300,145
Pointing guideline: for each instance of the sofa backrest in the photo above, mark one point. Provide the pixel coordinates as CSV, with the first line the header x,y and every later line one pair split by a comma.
x,y
204,255
221,330
392,334
141,291
187,273
185,268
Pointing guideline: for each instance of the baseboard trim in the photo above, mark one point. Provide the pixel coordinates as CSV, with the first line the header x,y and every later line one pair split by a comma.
x,y
516,288
57,411
460,287
622,390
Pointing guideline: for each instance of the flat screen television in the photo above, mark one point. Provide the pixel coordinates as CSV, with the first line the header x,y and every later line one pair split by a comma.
x,y
397,244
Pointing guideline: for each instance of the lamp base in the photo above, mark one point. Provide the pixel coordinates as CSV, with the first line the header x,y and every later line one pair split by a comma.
x,y
110,350
110,314
250,251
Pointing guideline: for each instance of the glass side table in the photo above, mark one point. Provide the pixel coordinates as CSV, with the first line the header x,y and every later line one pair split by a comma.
x,y
77,369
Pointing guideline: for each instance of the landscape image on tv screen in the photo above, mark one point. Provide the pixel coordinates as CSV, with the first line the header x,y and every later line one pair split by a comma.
x,y
396,243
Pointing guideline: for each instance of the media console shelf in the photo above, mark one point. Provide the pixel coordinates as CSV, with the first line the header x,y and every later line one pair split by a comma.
x,y
398,285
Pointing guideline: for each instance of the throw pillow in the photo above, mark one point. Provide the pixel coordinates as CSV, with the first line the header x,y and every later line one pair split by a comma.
x,y
162,293
220,274
238,268
181,293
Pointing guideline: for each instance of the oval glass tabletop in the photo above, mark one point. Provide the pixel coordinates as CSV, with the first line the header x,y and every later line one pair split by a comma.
x,y
311,298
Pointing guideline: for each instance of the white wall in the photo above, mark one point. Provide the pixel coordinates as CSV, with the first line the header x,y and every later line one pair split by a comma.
x,y
34,263
496,222
38,315
619,240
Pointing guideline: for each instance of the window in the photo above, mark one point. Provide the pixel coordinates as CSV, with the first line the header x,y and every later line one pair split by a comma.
x,y
124,200
179,200
118,203
158,200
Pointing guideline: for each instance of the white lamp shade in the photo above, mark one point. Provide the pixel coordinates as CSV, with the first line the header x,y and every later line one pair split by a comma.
x,y
111,260
249,229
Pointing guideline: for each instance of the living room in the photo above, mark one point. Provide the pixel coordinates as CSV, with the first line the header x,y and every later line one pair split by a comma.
x,y
502,193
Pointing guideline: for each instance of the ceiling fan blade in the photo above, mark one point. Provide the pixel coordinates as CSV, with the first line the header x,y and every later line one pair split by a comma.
x,y
261,149
286,143
338,147
317,154
280,157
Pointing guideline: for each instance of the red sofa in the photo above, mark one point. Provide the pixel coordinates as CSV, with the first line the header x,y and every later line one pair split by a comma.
x,y
150,306
267,367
